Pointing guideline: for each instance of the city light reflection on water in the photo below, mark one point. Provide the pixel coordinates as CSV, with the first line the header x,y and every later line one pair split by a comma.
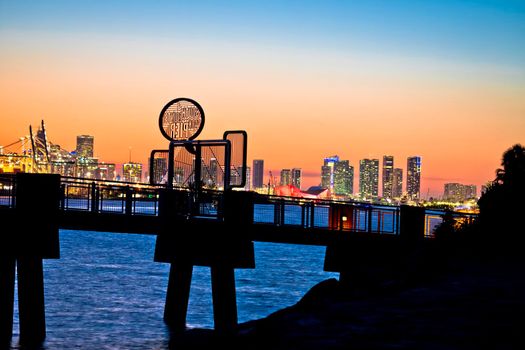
x,y
105,292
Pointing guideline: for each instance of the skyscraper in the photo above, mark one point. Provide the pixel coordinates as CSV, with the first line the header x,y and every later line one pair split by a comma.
x,y
388,176
369,178
132,172
296,177
413,177
160,169
325,176
286,177
397,183
457,192
471,191
85,146
343,178
454,192
106,171
258,173
248,184
327,173
86,167
210,173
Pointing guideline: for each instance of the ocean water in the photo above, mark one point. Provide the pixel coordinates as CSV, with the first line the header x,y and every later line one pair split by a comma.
x,y
105,292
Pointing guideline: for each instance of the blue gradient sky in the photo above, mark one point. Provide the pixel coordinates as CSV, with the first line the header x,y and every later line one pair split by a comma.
x,y
479,31
307,79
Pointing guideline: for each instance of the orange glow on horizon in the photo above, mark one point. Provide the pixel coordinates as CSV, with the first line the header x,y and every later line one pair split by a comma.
x,y
294,115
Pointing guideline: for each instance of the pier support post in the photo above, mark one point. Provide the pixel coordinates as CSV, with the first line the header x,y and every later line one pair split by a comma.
x,y
219,244
31,300
412,226
37,202
7,291
177,295
224,298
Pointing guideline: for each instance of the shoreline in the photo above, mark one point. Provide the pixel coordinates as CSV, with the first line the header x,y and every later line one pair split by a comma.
x,y
470,303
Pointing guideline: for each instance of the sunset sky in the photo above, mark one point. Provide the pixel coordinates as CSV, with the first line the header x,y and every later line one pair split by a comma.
x,y
444,80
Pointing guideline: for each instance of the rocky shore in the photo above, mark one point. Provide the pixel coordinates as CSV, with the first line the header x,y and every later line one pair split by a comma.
x,y
468,303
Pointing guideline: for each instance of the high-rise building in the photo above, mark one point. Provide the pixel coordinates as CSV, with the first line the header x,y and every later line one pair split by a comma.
x,y
413,177
456,192
388,176
343,178
296,177
160,170
325,176
368,178
209,173
471,191
258,173
327,173
106,171
132,172
86,168
248,184
62,162
236,176
397,183
286,177
85,144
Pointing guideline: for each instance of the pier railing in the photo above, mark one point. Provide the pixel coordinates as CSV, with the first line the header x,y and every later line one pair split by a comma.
x,y
109,197
121,198
333,215
7,191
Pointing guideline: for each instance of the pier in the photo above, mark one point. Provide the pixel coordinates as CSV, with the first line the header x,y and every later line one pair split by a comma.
x,y
212,228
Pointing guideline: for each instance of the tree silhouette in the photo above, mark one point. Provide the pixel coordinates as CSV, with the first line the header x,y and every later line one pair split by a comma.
x,y
513,173
502,205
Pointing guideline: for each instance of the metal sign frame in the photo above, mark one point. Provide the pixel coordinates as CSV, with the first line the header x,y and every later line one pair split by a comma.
x,y
244,153
195,147
163,127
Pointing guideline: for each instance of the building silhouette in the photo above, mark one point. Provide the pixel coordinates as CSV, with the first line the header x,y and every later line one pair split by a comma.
x,y
397,183
327,173
258,173
62,162
471,191
248,184
106,171
85,146
86,167
132,172
368,178
296,177
343,178
456,192
388,177
286,177
413,177
160,170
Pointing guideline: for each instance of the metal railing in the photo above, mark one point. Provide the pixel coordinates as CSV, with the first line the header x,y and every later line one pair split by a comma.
x,y
433,218
7,190
109,197
112,197
332,215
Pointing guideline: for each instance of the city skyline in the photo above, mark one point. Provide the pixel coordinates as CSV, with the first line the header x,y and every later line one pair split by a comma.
x,y
336,175
442,80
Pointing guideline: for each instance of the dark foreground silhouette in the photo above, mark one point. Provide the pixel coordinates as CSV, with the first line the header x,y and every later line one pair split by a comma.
x,y
465,290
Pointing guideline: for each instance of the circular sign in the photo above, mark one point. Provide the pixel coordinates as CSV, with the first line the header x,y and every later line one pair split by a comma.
x,y
181,119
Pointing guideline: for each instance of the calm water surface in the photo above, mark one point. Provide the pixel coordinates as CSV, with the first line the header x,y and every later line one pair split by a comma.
x,y
107,293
